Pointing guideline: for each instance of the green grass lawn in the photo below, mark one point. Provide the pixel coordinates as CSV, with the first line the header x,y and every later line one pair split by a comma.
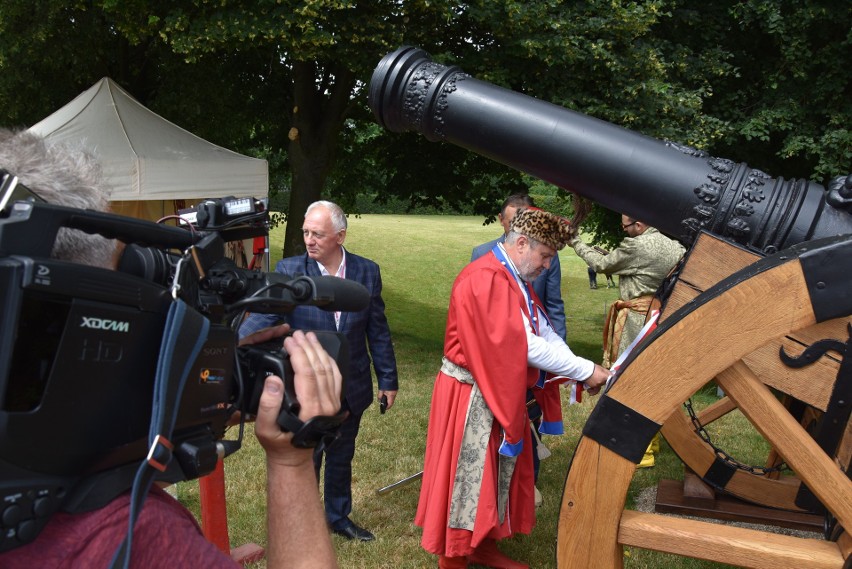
x,y
420,257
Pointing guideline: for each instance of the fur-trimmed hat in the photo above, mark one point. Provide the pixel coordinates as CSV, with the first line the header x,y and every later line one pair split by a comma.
x,y
548,228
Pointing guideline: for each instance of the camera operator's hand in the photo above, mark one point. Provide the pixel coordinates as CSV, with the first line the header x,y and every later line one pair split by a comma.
x,y
266,335
294,511
317,382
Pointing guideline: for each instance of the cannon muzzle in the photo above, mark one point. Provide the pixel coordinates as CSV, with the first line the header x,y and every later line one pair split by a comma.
x,y
677,189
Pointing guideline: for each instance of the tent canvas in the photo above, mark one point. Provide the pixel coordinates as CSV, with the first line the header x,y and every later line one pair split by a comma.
x,y
149,162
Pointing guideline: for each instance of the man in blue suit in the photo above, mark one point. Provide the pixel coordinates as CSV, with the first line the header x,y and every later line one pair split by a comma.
x,y
548,285
368,336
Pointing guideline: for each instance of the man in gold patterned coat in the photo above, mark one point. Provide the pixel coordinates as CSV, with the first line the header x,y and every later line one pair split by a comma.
x,y
642,261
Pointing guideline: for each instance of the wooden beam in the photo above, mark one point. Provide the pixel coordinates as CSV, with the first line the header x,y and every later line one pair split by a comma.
x,y
699,456
709,260
675,497
812,384
816,469
718,409
725,544
592,502
844,543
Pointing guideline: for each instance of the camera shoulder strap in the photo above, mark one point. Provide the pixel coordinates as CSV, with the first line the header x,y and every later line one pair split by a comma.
x,y
184,335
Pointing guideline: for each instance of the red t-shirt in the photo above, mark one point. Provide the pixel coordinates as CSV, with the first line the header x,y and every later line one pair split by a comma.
x,y
166,535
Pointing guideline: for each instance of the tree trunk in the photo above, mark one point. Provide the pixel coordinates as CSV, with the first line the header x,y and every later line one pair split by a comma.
x,y
306,187
321,99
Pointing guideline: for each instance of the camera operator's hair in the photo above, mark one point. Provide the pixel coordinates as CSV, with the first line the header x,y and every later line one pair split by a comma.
x,y
338,217
61,175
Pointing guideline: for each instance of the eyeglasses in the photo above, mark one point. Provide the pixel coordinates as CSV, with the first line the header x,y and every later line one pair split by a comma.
x,y
628,225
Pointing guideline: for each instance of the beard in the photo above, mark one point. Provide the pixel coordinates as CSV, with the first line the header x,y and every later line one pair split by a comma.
x,y
526,270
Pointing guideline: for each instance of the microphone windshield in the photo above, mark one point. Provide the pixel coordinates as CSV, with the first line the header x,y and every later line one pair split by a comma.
x,y
284,292
334,293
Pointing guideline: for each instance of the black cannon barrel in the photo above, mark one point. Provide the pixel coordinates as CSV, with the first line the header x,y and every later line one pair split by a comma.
x,y
678,189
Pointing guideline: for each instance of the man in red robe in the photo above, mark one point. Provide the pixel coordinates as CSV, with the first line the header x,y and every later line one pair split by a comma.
x,y
478,482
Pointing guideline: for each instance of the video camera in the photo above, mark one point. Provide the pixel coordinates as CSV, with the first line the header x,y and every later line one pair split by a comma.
x,y
79,350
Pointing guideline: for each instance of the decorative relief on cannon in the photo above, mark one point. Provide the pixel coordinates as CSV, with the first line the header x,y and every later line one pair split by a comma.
x,y
708,193
702,216
415,99
688,150
840,193
738,228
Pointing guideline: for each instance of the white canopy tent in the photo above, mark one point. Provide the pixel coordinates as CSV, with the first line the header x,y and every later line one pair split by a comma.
x,y
148,162
152,166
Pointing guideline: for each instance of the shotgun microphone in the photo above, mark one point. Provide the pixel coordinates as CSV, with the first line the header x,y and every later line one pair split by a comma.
x,y
330,293
277,293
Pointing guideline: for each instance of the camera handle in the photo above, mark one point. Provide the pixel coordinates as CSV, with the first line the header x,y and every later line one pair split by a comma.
x,y
257,361
315,432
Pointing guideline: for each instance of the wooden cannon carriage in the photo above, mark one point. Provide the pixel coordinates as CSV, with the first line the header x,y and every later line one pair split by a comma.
x,y
761,306
679,358
808,387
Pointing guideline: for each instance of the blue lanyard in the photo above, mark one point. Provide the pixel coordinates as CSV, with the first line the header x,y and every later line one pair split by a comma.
x,y
501,256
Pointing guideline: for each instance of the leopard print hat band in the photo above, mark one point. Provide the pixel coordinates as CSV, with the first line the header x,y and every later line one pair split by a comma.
x,y
548,228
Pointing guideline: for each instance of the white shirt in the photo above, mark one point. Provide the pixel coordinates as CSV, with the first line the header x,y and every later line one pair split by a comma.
x,y
546,350
341,273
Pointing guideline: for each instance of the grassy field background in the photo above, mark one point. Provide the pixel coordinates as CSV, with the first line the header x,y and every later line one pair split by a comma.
x,y
420,257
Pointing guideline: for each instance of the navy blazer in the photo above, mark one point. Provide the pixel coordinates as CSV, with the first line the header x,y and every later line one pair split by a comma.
x,y
548,286
366,331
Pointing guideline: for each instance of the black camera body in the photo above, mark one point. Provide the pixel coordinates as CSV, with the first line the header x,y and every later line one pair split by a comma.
x,y
79,348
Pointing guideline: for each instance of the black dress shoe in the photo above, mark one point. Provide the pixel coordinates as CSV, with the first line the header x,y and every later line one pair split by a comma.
x,y
351,531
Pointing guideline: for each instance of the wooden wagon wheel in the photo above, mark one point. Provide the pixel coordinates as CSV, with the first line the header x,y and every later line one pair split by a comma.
x,y
811,385
806,285
709,261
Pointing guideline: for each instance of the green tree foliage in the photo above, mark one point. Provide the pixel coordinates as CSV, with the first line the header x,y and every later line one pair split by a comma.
x,y
760,81
781,102
323,51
